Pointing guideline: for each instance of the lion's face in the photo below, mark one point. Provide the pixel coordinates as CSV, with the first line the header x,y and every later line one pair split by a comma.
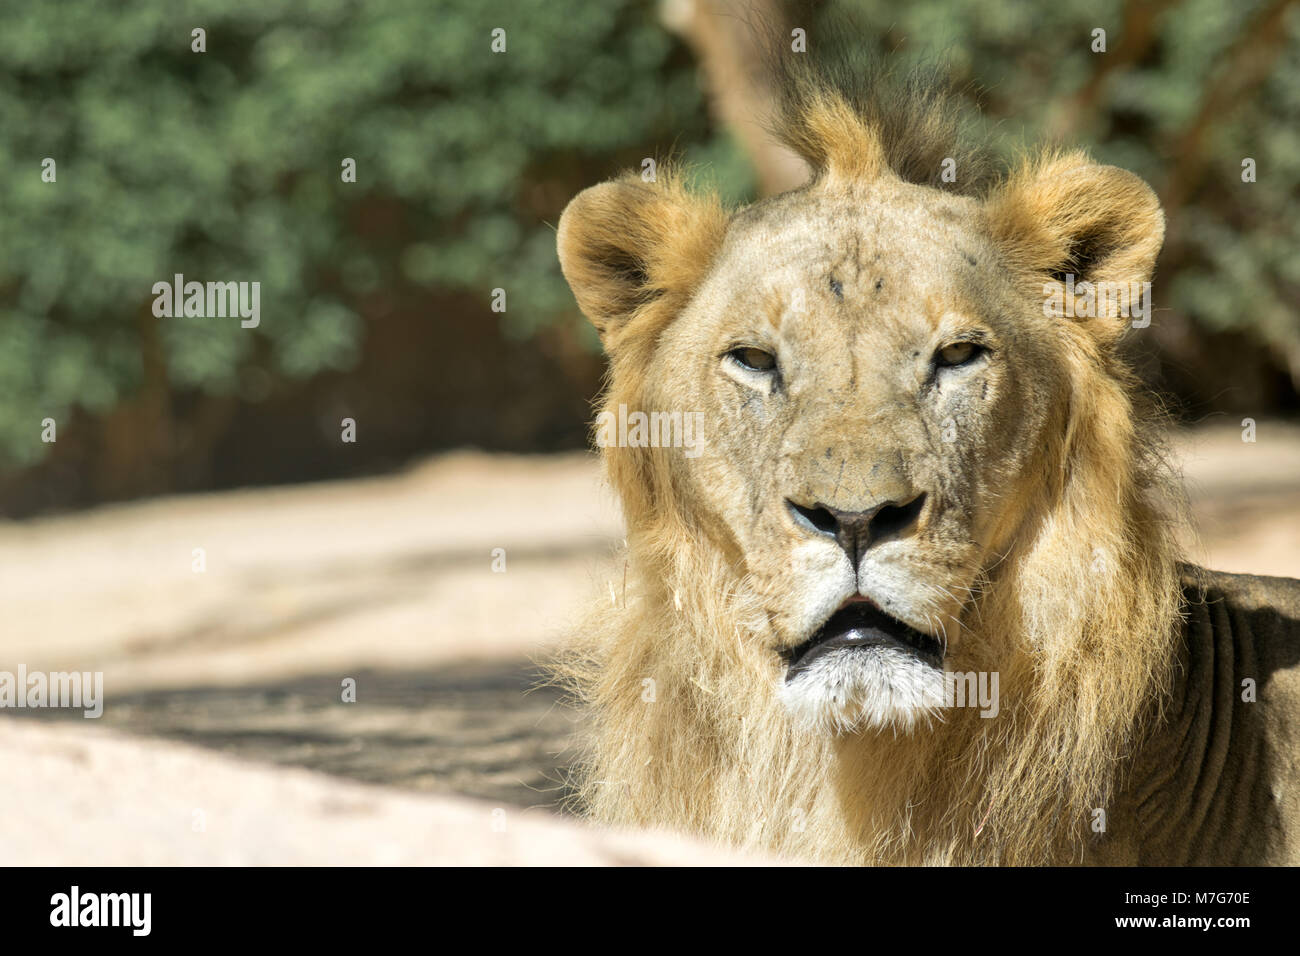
x,y
872,389
881,393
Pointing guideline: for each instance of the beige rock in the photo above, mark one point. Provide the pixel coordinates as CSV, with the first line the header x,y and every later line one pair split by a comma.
x,y
77,797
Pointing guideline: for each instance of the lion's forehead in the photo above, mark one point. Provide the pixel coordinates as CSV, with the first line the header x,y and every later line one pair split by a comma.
x,y
862,250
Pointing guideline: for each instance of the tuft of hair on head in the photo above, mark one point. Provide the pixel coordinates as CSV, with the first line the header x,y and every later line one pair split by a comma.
x,y
848,114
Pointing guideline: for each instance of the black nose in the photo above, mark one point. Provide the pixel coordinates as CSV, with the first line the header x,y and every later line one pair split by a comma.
x,y
856,531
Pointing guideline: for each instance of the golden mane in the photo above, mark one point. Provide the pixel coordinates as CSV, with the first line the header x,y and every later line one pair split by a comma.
x,y
1083,608
1090,599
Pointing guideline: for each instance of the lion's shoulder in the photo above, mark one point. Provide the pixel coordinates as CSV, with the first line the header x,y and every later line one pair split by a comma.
x,y
1248,622
1228,751
1253,592
1261,611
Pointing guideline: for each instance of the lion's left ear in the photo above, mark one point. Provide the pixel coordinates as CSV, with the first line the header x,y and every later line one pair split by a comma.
x,y
627,246
1064,220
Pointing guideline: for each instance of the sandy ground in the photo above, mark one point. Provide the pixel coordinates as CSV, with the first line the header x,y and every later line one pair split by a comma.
x,y
389,582
388,573
101,800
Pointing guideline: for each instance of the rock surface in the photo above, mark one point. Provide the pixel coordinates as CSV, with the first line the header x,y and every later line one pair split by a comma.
x,y
390,583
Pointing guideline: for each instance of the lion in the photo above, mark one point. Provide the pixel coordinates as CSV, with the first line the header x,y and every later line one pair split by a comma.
x,y
919,598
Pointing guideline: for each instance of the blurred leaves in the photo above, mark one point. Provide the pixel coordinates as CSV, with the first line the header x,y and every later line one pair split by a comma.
x,y
225,166
1232,255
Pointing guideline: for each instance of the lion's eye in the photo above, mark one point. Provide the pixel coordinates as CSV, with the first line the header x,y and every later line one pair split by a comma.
x,y
959,353
756,360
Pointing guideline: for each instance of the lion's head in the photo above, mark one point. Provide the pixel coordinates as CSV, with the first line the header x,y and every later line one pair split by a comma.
x,y
920,455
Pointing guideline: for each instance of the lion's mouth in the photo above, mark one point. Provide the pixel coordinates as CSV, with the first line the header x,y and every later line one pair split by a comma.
x,y
862,625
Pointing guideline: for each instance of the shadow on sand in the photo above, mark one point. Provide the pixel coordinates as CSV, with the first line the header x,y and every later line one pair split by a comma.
x,y
485,730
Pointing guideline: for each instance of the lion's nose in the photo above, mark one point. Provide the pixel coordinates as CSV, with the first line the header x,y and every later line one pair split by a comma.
x,y
856,531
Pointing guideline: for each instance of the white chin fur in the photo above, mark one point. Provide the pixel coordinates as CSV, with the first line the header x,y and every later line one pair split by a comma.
x,y
856,689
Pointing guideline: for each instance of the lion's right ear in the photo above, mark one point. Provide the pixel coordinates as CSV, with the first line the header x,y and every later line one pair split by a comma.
x,y
1062,220
628,247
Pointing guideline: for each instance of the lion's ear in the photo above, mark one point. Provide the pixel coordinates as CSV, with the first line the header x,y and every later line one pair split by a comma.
x,y
1064,220
627,245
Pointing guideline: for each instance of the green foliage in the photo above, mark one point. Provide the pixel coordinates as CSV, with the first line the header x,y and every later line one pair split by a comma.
x,y
225,166
1232,257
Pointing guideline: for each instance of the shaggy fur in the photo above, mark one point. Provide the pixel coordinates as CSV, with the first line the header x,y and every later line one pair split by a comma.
x,y
842,111
1049,523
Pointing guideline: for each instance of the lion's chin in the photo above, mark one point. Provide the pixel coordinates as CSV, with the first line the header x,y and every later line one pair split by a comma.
x,y
861,670
855,688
